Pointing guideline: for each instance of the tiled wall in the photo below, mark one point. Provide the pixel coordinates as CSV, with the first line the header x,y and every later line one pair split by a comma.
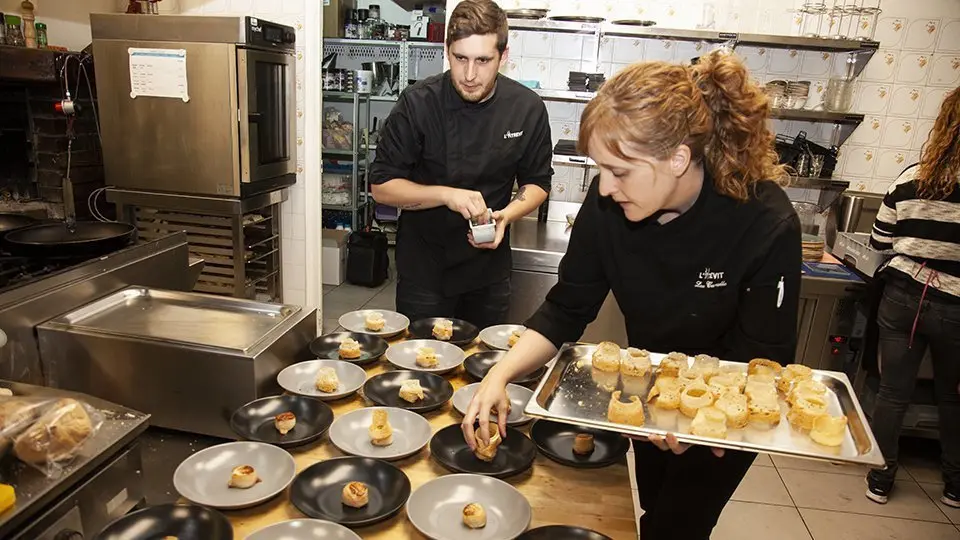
x,y
900,90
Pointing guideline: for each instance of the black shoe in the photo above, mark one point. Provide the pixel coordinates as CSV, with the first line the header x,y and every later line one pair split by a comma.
x,y
878,490
951,496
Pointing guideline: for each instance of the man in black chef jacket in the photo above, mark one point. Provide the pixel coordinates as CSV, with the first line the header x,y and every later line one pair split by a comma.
x,y
452,148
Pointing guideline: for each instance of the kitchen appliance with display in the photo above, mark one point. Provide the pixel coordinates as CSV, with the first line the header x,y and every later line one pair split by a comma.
x,y
196,105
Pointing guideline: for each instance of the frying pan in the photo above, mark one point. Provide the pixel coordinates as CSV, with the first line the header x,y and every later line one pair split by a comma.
x,y
85,238
9,222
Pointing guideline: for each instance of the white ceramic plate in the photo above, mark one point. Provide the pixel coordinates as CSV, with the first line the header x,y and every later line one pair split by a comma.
x,y
404,355
204,477
394,323
498,337
436,508
300,378
519,396
411,432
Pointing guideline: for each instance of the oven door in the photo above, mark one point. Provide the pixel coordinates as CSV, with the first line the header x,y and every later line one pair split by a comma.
x,y
268,128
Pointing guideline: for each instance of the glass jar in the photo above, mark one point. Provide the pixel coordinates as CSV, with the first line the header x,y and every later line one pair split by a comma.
x,y
838,96
41,35
13,35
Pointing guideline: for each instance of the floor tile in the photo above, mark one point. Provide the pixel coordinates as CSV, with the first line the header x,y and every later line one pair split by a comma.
x,y
763,460
845,493
328,288
782,462
934,491
385,299
330,325
923,470
763,485
751,521
842,526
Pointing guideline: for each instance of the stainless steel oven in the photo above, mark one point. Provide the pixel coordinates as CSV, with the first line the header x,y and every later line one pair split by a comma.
x,y
196,105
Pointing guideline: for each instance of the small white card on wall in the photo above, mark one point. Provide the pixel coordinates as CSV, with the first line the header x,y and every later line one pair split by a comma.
x,y
158,73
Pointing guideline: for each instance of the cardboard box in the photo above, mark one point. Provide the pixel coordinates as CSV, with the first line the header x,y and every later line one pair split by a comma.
x,y
335,13
334,256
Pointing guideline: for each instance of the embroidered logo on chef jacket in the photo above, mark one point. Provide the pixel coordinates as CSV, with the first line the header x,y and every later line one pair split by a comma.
x,y
512,135
709,279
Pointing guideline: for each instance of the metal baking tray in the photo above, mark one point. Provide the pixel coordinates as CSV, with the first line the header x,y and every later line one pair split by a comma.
x,y
574,393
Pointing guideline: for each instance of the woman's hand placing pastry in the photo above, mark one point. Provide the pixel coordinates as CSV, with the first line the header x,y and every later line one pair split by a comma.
x,y
502,221
491,394
671,443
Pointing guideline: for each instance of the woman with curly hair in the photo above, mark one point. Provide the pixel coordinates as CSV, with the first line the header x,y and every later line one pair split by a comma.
x,y
689,228
920,309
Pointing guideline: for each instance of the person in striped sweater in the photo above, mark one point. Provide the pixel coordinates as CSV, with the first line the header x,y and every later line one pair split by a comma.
x,y
920,309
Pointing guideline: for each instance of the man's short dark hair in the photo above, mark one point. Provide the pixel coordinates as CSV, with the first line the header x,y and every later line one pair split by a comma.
x,y
478,18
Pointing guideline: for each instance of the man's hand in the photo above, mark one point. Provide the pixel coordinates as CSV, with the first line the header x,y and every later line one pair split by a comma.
x,y
465,202
501,220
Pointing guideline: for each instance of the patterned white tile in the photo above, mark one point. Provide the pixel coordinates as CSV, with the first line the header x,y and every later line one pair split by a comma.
x,y
535,69
628,50
560,73
898,132
873,98
567,47
860,161
945,70
784,61
559,190
906,100
921,35
882,67
564,130
913,67
868,132
538,44
890,163
606,49
817,64
755,58
515,42
949,36
924,126
511,68
933,98
890,31
562,111
879,185
660,49
815,98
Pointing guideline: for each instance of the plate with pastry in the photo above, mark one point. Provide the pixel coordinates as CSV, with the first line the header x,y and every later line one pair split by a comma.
x,y
351,491
478,364
502,337
464,506
285,421
351,347
323,379
427,355
567,532
455,331
377,322
415,391
235,475
170,521
501,458
381,433
303,528
519,396
578,446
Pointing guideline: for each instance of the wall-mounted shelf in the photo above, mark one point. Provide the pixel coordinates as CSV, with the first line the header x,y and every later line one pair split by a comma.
x,y
816,116
577,161
818,183
564,95
382,43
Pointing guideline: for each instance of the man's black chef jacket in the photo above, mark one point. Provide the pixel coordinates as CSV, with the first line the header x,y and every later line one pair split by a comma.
x,y
433,137
708,282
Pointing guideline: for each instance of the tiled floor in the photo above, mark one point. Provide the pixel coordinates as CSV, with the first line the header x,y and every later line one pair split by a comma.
x,y
787,499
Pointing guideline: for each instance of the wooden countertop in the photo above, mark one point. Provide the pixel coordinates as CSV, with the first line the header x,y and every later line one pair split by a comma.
x,y
598,499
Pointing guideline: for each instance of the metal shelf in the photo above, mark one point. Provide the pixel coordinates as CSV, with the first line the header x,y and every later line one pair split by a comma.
x,y
331,152
564,95
818,183
580,161
393,99
816,116
346,96
815,43
346,207
368,42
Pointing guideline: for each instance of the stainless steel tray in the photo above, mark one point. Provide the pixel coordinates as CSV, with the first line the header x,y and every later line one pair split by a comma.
x,y
573,392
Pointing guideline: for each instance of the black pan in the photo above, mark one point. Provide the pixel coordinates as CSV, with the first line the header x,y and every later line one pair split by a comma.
x,y
384,390
255,420
318,490
555,440
328,347
10,222
478,364
561,532
515,455
464,333
86,238
184,522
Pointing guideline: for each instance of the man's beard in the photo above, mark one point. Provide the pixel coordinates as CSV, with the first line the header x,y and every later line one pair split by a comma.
x,y
476,97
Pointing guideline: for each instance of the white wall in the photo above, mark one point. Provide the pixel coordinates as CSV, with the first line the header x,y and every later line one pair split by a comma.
x,y
68,21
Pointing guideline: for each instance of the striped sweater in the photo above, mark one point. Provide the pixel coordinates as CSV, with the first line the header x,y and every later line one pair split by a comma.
x,y
924,233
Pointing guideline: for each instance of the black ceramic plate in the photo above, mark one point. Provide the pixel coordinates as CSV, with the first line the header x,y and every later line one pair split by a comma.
x,y
254,421
478,364
514,456
328,347
464,333
555,440
561,532
384,390
318,490
577,18
185,522
634,22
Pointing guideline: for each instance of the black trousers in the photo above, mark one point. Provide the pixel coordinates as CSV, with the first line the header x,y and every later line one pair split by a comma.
x,y
485,306
683,496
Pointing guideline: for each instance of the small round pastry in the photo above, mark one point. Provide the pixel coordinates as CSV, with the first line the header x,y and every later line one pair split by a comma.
x,y
327,380
6,392
626,413
350,349
688,376
763,409
636,363
763,365
356,494
607,357
666,392
763,377
514,338
285,422
427,357
486,452
709,422
805,412
735,407
443,330
671,364
583,444
791,375
727,382
380,431
474,516
706,366
374,321
829,430
243,477
694,397
805,389
411,391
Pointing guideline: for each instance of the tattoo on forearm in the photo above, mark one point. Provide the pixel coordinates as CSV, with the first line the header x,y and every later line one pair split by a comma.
x,y
521,194
411,206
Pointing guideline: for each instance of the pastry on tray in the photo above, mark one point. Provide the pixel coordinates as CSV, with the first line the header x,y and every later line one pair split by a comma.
x,y
792,374
327,380
607,357
694,397
688,376
583,444
735,406
636,363
355,494
350,349
630,413
671,364
763,409
805,412
764,365
443,330
806,389
427,357
380,431
285,422
514,338
474,516
374,321
724,382
709,422
706,366
411,391
486,452
829,430
665,393
243,477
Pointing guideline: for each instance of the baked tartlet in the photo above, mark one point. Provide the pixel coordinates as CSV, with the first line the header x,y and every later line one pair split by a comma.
x,y
636,363
243,477
327,380
583,444
671,364
474,516
355,494
706,366
665,393
808,388
350,349
695,397
374,321
443,330
829,430
285,422
411,391
427,357
764,365
735,407
630,413
763,408
793,374
380,430
486,452
709,422
607,357
805,412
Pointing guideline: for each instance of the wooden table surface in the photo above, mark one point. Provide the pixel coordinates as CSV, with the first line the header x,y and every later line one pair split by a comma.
x,y
598,499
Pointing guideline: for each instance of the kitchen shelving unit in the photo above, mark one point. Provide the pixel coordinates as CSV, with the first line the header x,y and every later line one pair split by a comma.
x,y
357,156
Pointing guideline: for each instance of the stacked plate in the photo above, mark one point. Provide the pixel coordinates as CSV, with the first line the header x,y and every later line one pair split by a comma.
x,y
777,92
585,82
812,248
796,94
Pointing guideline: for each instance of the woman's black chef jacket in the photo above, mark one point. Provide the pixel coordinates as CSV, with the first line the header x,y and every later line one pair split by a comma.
x,y
721,279
433,137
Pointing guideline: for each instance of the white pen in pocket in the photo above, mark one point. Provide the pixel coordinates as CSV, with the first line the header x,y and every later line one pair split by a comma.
x,y
486,232
780,293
